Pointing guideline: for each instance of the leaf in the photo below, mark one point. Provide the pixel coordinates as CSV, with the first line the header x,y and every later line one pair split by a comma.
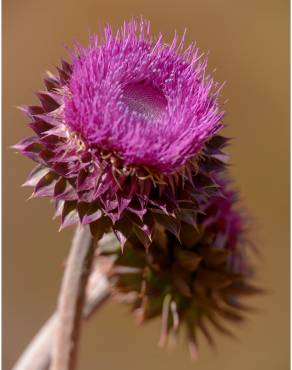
x,y
40,127
229,314
189,216
181,281
46,185
48,103
214,257
60,187
123,230
153,306
213,319
170,223
46,155
28,144
93,213
243,289
61,168
214,279
99,227
51,82
36,174
217,142
82,208
206,332
142,236
31,111
69,214
187,259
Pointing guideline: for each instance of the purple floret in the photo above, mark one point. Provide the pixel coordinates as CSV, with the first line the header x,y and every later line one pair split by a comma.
x,y
142,99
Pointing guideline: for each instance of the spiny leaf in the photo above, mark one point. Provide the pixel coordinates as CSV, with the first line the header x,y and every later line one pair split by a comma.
x,y
99,227
187,259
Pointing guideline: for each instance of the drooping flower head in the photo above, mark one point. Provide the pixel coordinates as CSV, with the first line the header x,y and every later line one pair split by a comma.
x,y
127,138
128,130
196,283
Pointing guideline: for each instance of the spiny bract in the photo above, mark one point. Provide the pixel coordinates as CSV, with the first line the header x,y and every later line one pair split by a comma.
x,y
195,283
127,134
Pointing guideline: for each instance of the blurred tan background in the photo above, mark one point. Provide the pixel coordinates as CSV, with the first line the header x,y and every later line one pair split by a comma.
x,y
249,44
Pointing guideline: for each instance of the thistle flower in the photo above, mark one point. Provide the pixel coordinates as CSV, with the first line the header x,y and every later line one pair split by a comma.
x,y
127,134
195,283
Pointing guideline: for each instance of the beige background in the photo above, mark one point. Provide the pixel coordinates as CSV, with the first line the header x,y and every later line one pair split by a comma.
x,y
249,47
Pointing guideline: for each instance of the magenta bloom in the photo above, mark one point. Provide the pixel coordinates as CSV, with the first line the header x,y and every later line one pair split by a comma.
x,y
127,130
136,97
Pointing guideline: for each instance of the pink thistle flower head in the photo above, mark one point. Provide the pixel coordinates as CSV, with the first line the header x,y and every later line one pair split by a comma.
x,y
126,132
137,97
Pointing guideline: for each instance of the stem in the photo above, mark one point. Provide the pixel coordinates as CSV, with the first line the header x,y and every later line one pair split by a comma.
x,y
37,355
71,300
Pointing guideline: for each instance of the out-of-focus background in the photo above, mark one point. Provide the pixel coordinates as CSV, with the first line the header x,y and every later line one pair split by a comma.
x,y
249,44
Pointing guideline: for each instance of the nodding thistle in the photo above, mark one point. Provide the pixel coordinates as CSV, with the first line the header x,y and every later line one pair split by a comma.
x,y
126,132
127,140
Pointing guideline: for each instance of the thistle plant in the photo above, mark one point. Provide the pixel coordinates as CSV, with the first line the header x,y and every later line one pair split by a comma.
x,y
127,143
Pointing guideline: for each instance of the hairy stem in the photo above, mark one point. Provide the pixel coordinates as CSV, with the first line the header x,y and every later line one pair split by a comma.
x,y
71,300
37,355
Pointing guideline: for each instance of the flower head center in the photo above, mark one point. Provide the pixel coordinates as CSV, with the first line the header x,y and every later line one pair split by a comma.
x,y
144,99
